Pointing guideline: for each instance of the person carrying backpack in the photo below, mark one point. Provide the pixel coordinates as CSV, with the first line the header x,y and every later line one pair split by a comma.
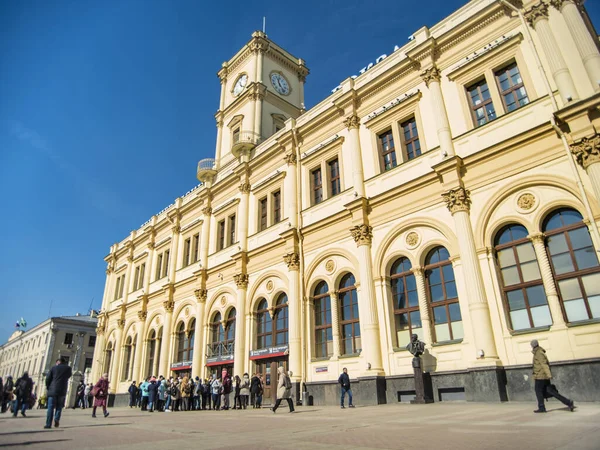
x,y
284,390
23,388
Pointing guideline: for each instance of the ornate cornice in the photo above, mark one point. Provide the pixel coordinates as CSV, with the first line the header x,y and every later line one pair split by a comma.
x,y
241,280
362,234
292,260
587,150
352,121
201,295
291,159
245,187
431,74
142,315
458,199
169,305
536,13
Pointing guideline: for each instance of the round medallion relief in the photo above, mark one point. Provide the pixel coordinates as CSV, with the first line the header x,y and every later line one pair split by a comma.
x,y
223,300
527,202
330,266
269,286
412,239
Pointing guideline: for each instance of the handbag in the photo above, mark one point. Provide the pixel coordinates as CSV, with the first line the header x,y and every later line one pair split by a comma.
x,y
94,391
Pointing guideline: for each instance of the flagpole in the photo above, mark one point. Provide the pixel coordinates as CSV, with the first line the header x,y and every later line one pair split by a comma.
x,y
50,309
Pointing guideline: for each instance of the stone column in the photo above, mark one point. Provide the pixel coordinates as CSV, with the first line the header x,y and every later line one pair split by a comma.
x,y
137,362
164,368
294,324
335,324
458,201
149,265
587,153
419,274
114,377
537,16
584,41
240,356
369,323
242,222
219,143
98,360
353,124
204,238
432,78
107,284
549,286
176,229
201,295
290,186
129,279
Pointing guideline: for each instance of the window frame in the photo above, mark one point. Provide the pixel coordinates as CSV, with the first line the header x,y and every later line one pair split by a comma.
x,y
405,143
352,321
281,308
316,188
383,153
263,213
477,84
322,299
261,336
408,309
334,182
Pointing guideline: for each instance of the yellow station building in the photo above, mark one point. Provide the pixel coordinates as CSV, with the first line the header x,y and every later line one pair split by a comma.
x,y
450,189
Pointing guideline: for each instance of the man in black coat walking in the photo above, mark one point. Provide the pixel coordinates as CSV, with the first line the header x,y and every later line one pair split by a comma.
x,y
57,382
344,381
23,388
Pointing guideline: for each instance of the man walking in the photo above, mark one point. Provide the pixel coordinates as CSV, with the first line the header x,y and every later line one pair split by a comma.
x,y
57,382
344,381
542,376
23,388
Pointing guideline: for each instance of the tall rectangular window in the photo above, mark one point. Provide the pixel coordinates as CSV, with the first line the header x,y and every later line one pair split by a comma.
x,y
412,145
141,278
159,259
231,229
263,214
68,338
334,177
236,135
136,277
221,235
387,150
165,269
482,107
276,206
92,341
187,247
195,247
512,88
317,186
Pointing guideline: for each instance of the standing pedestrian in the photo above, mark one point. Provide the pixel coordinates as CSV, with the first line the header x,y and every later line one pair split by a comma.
x,y
542,377
86,397
237,401
9,388
23,388
152,394
216,389
57,382
254,388
162,392
261,390
245,390
344,381
132,394
227,387
206,394
284,390
100,393
197,403
185,393
80,403
144,389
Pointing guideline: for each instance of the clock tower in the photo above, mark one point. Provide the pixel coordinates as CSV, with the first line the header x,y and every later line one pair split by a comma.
x,y
261,87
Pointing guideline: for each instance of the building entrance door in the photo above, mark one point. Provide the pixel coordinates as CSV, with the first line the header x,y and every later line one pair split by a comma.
x,y
268,369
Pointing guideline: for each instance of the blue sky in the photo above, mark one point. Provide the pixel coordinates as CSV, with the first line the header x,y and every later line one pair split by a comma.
x,y
98,97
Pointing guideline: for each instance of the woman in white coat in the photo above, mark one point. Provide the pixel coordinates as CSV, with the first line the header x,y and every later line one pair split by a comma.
x,y
284,390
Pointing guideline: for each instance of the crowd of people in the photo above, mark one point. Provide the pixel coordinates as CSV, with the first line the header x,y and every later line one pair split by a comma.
x,y
194,394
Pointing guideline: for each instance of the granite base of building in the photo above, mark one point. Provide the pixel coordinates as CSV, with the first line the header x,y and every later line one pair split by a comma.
x,y
577,380
118,400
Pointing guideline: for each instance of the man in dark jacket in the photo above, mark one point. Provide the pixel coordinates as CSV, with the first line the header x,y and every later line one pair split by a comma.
x,y
132,394
23,388
57,382
344,381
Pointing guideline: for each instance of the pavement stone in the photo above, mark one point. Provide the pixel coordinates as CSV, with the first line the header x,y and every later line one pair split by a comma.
x,y
452,425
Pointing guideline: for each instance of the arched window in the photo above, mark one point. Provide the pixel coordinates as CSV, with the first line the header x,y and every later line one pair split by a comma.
x,y
281,321
443,297
191,334
524,293
264,326
574,263
323,327
230,327
350,321
217,330
406,301
126,359
108,358
159,339
151,353
182,343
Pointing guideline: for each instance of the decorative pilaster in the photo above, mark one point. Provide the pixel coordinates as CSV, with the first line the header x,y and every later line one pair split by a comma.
x,y
245,187
240,356
458,199
419,274
241,280
169,306
164,368
538,241
432,78
290,159
587,154
536,13
362,234
352,123
201,295
430,75
142,316
292,260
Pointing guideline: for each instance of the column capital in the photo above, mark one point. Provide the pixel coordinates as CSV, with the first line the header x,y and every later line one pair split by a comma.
x,y
201,295
121,323
241,280
536,13
333,294
432,74
457,199
537,238
207,210
169,306
142,315
418,271
245,187
587,150
292,260
99,330
352,121
362,234
176,229
290,159
558,4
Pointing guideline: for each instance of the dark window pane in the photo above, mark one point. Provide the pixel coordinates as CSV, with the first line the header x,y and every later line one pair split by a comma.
x,y
516,300
454,312
536,296
439,315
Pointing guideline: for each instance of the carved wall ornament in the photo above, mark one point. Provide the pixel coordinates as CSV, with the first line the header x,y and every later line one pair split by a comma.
x,y
292,260
536,13
121,323
176,229
169,305
362,234
241,280
99,331
186,312
245,188
458,199
587,150
157,320
207,210
431,74
330,266
412,239
270,286
526,201
291,159
142,315
537,238
201,295
352,121
558,4
223,301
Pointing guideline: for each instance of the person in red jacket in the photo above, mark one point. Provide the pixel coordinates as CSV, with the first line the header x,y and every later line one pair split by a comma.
x,y
100,393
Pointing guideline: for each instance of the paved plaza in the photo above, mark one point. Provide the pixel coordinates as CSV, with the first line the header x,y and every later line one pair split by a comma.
x,y
401,426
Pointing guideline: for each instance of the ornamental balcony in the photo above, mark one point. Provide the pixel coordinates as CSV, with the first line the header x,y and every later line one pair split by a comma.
x,y
244,141
206,169
219,351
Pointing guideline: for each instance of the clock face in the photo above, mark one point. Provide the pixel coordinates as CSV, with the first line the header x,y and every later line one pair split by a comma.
x,y
280,84
240,84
